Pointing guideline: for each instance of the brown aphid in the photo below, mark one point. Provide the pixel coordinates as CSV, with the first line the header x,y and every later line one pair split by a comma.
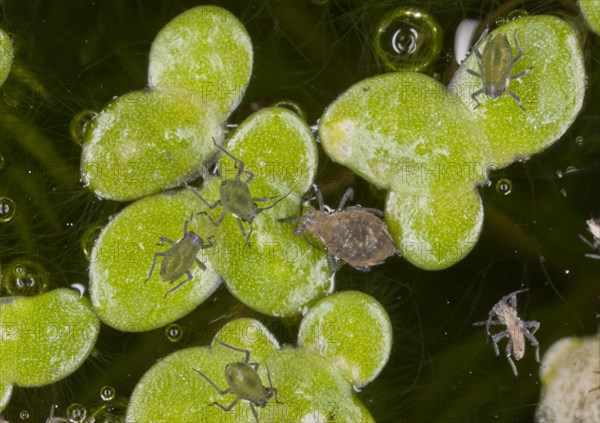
x,y
354,235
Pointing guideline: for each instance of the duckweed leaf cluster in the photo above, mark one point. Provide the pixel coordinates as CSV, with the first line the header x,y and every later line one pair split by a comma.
x,y
429,145
151,140
275,273
44,338
314,381
6,56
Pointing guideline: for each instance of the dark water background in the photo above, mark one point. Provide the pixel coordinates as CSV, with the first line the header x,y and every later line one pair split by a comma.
x,y
75,55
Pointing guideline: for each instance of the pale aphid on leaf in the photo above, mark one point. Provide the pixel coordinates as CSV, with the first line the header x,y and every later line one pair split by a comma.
x,y
244,382
178,260
236,198
495,65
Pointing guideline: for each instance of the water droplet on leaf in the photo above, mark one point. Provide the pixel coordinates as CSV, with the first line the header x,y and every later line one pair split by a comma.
x,y
293,106
88,239
79,125
516,14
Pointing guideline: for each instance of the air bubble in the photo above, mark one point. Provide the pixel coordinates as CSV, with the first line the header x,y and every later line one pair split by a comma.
x,y
88,239
107,393
1,161
76,413
24,415
516,14
579,140
79,125
504,186
24,277
408,39
500,21
291,105
7,209
174,332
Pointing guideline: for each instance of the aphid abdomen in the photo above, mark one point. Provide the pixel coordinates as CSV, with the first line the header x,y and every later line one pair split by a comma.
x,y
245,382
496,63
359,238
178,260
236,198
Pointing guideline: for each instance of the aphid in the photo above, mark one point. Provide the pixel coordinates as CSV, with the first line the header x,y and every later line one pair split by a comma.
x,y
495,64
178,259
236,198
517,330
594,229
355,234
244,382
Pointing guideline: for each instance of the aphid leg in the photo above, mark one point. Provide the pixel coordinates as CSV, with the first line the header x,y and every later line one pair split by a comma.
x,y
254,411
210,206
246,236
242,350
199,263
529,335
156,256
476,46
189,278
472,72
593,256
510,361
221,392
518,76
238,162
229,407
474,97
274,390
319,196
164,239
270,206
520,54
348,195
513,297
261,199
587,242
516,97
499,336
208,244
215,222
532,324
